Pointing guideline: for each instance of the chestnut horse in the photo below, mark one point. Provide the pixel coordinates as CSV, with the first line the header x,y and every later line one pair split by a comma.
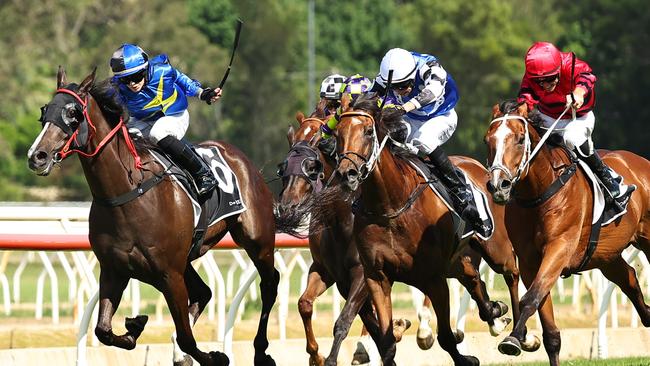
x,y
415,244
149,237
335,259
550,236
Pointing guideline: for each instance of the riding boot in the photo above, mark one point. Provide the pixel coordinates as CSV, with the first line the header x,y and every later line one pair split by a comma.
x,y
460,192
612,181
183,154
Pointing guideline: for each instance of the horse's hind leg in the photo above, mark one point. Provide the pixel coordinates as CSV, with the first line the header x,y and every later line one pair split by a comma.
x,y
177,298
199,295
317,282
111,287
623,275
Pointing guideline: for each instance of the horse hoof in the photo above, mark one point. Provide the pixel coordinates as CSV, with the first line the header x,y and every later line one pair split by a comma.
x,y
510,346
135,326
399,327
531,343
458,335
316,360
499,326
425,339
360,356
186,361
503,308
470,361
265,360
219,359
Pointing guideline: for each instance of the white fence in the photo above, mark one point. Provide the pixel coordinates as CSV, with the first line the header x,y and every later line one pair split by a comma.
x,y
71,221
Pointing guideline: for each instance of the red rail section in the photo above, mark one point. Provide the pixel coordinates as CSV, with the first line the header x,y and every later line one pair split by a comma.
x,y
80,242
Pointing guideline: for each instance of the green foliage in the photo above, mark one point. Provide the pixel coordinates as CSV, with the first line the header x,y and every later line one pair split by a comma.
x,y
480,42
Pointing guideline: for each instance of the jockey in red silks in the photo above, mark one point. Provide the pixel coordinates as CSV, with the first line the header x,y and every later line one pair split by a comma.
x,y
555,79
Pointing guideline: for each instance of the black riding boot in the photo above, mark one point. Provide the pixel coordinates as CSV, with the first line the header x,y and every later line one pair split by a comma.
x,y
183,154
460,192
608,177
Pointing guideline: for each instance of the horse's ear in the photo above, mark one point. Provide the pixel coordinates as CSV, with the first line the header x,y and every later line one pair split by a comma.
x,y
60,78
300,117
291,135
522,110
496,111
345,102
87,83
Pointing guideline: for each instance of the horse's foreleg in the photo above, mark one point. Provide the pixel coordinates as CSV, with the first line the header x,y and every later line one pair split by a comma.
x,y
551,333
380,291
357,294
269,279
111,287
624,276
177,298
317,282
199,295
424,337
438,292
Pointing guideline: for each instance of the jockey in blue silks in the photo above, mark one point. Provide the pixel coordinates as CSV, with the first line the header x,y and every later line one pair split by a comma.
x,y
155,93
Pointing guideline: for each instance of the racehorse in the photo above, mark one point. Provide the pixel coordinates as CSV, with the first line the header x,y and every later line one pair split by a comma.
x,y
550,218
406,237
149,237
335,258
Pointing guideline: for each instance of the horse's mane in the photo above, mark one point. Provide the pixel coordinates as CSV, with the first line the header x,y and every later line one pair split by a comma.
x,y
511,105
370,102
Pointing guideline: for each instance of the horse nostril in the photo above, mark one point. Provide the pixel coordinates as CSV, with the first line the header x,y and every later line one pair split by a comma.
x,y
506,184
40,155
490,187
351,174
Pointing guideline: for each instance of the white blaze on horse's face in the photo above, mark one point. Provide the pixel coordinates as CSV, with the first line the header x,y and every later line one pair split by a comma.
x,y
500,136
42,154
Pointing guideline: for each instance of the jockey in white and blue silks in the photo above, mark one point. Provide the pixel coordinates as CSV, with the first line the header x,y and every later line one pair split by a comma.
x,y
155,93
426,94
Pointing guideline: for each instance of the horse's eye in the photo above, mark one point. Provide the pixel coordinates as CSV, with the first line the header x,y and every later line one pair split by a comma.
x,y
369,131
521,140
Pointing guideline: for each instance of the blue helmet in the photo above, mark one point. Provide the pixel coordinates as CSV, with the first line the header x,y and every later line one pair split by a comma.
x,y
128,59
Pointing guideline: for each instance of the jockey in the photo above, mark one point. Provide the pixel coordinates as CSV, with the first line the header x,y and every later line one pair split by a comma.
x,y
330,92
155,94
554,80
426,95
351,88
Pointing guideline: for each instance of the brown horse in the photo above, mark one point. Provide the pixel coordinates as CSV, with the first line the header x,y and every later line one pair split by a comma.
x,y
550,235
415,244
335,259
149,237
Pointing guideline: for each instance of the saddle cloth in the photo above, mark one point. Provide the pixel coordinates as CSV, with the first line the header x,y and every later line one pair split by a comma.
x,y
480,199
225,201
603,208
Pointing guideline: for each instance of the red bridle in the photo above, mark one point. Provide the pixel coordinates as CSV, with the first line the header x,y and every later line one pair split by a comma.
x,y
66,151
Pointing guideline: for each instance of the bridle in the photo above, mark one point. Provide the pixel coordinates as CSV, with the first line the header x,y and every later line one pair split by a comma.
x,y
371,161
66,150
293,165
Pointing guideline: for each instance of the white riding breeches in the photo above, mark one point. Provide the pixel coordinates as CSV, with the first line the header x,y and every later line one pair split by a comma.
x,y
426,136
174,125
574,133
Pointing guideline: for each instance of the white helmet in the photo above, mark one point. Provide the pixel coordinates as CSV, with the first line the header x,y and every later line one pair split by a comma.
x,y
330,88
401,62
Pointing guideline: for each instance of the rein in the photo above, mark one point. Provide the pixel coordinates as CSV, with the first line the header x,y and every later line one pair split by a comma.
x,y
66,151
371,163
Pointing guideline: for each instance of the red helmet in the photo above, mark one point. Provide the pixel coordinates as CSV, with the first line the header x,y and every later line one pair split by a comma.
x,y
543,59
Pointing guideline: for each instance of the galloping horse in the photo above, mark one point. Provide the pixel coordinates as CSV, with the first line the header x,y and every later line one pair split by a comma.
x,y
414,243
550,220
335,257
149,237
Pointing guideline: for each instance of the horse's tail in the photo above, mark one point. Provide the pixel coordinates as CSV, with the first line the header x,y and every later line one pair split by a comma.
x,y
291,220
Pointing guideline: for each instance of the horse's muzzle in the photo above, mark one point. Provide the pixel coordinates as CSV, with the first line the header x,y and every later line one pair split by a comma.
x,y
349,178
40,162
500,189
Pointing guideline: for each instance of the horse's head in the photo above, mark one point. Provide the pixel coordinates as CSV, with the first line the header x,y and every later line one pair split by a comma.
x,y
304,168
358,142
509,148
65,124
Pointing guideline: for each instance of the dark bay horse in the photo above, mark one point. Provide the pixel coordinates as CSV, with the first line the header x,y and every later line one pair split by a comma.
x,y
550,236
413,244
335,258
149,237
